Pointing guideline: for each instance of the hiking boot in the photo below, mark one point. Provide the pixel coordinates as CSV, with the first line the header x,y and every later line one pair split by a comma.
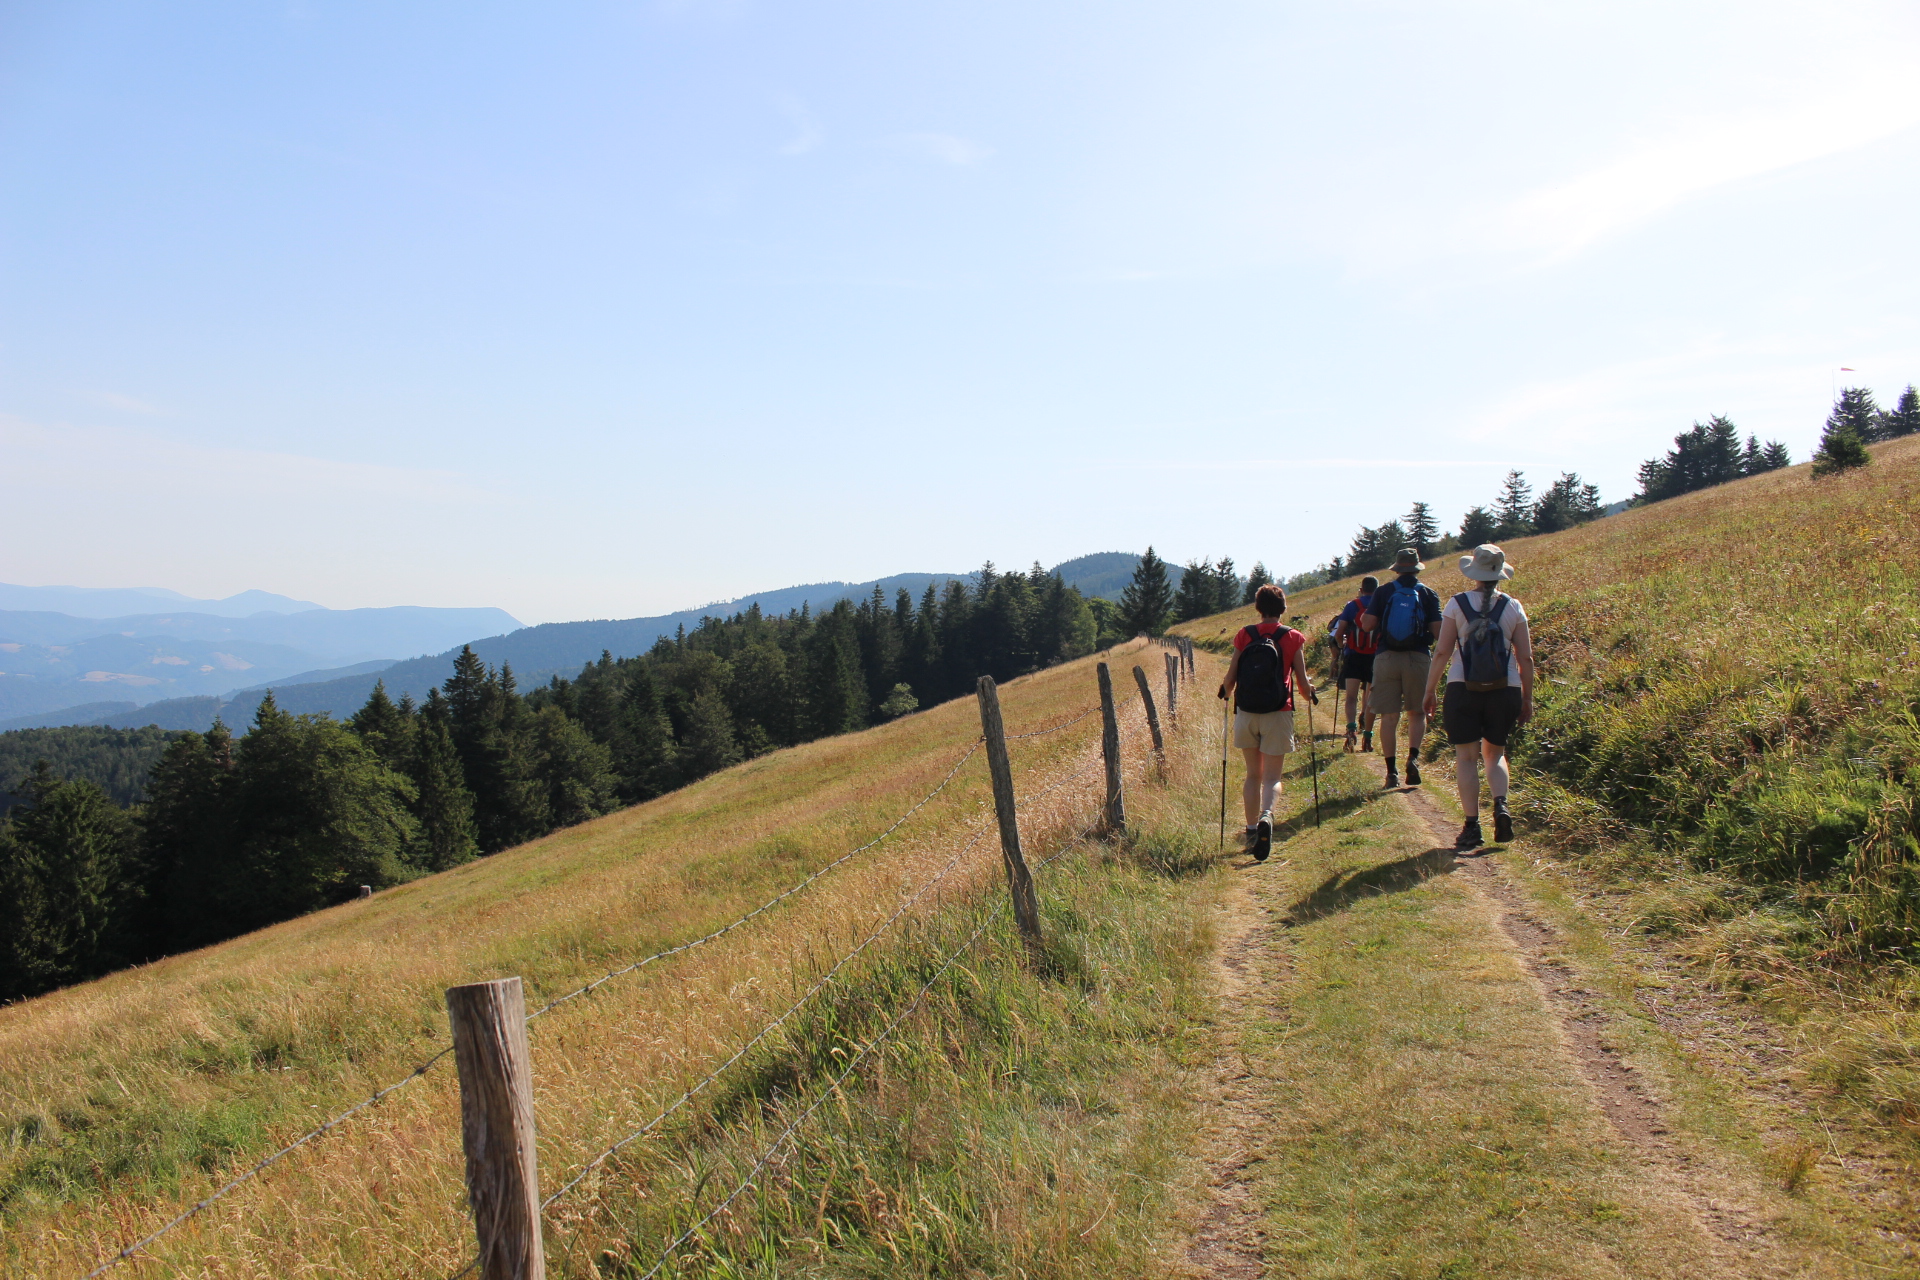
x,y
1246,838
1469,837
1393,779
1262,838
1413,771
1350,743
1366,742
1502,821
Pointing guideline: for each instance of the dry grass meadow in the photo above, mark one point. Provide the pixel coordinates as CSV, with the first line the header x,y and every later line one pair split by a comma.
x,y
128,1098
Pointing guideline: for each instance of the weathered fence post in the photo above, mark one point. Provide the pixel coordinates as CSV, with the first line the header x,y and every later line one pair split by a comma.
x,y
1026,908
1173,689
1114,815
1153,716
1191,671
496,1126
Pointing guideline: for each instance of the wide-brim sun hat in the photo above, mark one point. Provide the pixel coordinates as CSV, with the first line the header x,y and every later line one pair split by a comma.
x,y
1488,563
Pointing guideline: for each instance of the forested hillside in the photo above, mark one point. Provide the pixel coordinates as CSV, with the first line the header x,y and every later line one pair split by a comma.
x,y
114,760
239,832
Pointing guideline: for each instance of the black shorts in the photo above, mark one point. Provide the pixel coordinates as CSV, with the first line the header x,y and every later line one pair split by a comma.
x,y
1357,666
1471,716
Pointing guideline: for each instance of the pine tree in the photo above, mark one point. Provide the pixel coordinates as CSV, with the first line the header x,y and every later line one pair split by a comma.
x,y
70,876
1514,507
1195,597
385,729
1840,449
576,771
1336,569
1148,599
1423,531
442,804
1567,502
1257,579
1477,527
839,687
1856,411
1904,418
1775,456
1226,585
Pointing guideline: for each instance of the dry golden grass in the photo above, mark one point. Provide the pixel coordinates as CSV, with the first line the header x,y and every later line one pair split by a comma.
x,y
133,1096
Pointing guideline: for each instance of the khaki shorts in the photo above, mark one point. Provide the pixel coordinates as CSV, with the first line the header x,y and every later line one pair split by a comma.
x,y
1268,732
1399,681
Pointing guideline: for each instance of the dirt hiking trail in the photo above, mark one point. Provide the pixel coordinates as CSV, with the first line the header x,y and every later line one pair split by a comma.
x,y
1413,1077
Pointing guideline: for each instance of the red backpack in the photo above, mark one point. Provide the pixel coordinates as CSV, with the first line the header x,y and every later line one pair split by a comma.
x,y
1360,641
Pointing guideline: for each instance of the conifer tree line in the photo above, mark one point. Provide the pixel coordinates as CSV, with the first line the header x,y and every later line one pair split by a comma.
x,y
240,832
1151,602
1707,454
1515,513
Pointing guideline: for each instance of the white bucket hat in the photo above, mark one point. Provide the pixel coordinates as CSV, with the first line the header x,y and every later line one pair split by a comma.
x,y
1488,563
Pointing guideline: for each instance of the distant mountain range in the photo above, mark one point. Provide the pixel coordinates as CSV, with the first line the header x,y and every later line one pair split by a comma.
x,y
56,664
176,657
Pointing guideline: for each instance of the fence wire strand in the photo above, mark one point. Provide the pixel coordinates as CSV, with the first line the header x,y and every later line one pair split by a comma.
x,y
291,1147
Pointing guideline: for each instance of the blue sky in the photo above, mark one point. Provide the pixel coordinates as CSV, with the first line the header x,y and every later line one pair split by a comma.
x,y
610,309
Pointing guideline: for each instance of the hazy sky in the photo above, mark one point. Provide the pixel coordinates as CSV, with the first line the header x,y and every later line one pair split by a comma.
x,y
608,309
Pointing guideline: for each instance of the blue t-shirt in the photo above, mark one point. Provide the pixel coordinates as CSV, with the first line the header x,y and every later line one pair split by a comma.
x,y
1430,605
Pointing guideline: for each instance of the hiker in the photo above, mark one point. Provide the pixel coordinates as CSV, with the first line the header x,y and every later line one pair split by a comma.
x,y
1355,670
1489,689
1404,614
1263,656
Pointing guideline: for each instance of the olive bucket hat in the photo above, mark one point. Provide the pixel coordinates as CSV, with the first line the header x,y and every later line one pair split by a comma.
x,y
1488,563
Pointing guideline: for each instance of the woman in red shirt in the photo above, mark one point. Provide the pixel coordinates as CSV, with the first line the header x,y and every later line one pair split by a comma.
x,y
1265,654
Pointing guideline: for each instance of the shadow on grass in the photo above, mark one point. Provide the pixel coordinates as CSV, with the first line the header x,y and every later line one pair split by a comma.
x,y
1331,808
1337,894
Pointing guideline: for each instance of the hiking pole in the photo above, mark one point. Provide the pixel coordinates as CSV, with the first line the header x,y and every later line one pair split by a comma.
x,y
1313,754
1226,741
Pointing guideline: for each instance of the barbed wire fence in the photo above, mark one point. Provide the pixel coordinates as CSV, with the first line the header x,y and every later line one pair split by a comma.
x,y
987,739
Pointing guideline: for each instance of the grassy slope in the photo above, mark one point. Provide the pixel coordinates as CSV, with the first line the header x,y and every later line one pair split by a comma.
x,y
135,1093
1727,685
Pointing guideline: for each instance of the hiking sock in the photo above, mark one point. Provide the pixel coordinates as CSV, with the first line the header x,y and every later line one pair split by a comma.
x,y
1413,769
1469,837
1502,821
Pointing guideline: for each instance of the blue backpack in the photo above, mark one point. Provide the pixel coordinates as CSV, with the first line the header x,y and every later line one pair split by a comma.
x,y
1483,645
1406,621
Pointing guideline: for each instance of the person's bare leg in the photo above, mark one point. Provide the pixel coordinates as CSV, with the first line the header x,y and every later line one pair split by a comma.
x,y
1416,733
1498,777
1272,779
1250,789
1389,723
1466,770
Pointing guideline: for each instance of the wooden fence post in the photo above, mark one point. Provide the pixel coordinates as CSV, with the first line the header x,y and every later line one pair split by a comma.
x,y
496,1126
1026,907
1173,689
1192,672
1153,716
1114,816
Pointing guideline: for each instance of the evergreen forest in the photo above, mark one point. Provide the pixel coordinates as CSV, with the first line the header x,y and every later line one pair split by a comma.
x,y
235,833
